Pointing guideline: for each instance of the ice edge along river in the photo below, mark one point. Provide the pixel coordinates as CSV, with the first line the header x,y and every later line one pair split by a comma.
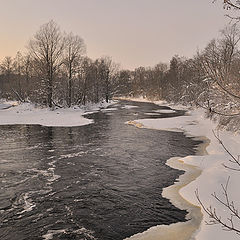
x,y
203,172
181,230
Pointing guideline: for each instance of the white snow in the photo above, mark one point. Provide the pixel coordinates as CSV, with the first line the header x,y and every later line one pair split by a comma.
x,y
109,109
27,113
142,99
151,114
129,107
213,173
50,234
165,111
4,106
81,231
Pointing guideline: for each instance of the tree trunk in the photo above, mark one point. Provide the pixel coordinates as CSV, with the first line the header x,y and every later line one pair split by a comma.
x,y
70,87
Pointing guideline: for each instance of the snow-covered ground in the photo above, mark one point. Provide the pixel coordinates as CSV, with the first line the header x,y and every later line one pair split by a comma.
x,y
26,113
129,107
5,106
213,174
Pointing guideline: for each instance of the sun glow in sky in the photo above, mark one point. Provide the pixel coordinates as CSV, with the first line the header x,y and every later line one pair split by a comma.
x,y
133,32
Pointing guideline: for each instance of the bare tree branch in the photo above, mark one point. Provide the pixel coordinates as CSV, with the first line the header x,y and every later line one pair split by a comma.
x,y
211,110
235,160
215,218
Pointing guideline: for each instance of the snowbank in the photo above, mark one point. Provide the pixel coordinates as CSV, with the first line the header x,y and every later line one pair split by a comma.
x,y
142,99
26,113
129,107
213,175
159,102
4,106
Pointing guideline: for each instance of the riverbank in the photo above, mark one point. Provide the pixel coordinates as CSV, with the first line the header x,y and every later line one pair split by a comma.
x,y
203,172
122,194
181,230
213,174
11,112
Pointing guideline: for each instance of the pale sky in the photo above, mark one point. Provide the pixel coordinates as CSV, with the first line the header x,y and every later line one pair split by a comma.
x,y
133,32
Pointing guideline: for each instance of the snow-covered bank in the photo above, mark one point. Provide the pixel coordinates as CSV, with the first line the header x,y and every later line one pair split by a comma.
x,y
213,175
141,99
5,106
26,113
158,102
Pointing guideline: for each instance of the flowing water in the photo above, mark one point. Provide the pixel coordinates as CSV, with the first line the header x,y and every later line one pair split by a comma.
x,y
99,181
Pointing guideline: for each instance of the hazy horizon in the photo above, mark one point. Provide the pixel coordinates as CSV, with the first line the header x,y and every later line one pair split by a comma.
x,y
133,32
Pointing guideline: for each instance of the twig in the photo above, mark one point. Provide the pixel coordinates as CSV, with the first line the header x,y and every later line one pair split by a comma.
x,y
18,95
215,218
233,158
56,104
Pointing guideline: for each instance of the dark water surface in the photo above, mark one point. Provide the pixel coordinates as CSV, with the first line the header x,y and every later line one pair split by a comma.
x,y
100,181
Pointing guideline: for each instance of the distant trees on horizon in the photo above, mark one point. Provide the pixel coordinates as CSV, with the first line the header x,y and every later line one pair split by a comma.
x,y
210,79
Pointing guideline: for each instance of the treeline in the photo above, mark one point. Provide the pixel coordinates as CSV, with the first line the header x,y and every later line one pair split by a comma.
x,y
211,79
56,71
182,80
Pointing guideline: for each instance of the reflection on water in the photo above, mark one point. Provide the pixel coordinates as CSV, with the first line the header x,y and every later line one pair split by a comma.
x,y
99,181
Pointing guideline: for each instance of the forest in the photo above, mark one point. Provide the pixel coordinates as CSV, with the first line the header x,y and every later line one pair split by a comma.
x,y
55,71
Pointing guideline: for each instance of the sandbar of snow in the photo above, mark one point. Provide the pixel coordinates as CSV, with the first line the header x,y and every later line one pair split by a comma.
x,y
152,114
5,106
142,99
129,107
108,109
165,111
27,113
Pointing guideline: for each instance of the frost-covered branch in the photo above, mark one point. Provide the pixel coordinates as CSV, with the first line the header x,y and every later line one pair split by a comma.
x,y
234,160
17,95
232,222
211,110
228,4
228,224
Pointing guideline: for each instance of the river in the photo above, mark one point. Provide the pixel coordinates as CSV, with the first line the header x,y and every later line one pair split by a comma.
x,y
98,181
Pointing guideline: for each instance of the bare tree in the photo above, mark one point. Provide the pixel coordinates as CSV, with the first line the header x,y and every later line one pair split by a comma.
x,y
7,66
218,61
74,50
18,70
7,70
27,72
232,7
106,70
84,78
159,74
123,85
46,50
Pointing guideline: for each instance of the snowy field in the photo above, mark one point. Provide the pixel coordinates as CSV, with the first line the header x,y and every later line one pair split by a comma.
x,y
213,174
26,113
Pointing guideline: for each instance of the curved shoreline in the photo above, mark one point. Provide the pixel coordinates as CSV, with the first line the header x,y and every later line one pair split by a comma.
x,y
181,230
